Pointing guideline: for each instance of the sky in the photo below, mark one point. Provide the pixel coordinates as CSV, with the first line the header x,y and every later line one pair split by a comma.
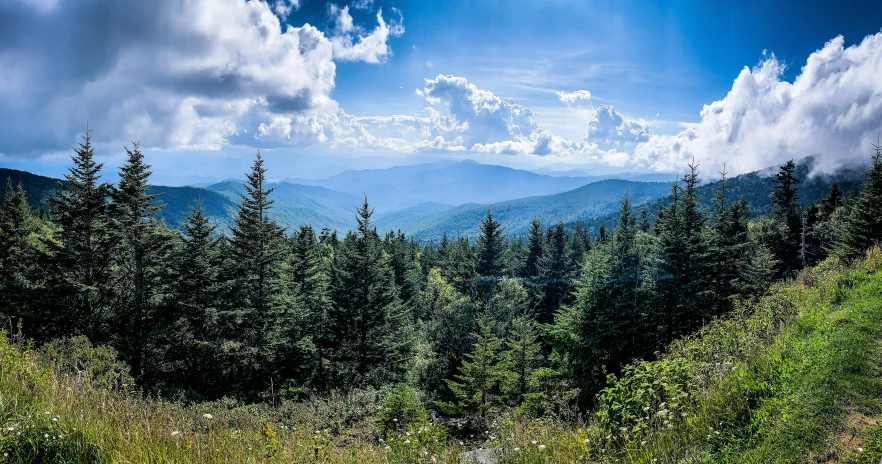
x,y
318,87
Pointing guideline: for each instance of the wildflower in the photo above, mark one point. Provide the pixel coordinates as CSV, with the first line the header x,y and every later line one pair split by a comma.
x,y
208,416
10,428
406,442
860,450
45,435
395,420
643,442
541,447
176,433
387,447
533,442
682,414
717,432
54,419
517,448
587,441
46,413
645,408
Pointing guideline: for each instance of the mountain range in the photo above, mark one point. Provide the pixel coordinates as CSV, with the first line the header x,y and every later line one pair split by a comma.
x,y
428,200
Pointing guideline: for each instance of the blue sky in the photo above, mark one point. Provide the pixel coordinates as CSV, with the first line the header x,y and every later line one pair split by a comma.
x,y
322,86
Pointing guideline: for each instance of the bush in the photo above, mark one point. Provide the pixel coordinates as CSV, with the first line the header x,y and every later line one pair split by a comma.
x,y
90,366
400,409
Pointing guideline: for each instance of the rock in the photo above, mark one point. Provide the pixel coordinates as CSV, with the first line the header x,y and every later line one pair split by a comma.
x,y
481,456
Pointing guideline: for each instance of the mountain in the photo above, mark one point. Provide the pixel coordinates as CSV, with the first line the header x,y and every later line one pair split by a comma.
x,y
301,204
38,188
583,203
756,189
445,182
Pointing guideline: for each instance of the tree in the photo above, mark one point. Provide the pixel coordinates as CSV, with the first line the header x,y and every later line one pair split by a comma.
x,y
490,247
787,210
535,250
831,202
644,223
602,234
730,221
82,248
579,246
476,387
143,247
862,226
685,291
520,360
260,309
554,273
192,333
19,255
370,324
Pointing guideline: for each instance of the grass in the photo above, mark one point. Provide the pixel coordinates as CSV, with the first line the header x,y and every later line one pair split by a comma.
x,y
794,377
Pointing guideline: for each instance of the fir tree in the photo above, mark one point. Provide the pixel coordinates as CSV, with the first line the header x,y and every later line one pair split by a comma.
x,y
520,360
490,247
729,242
476,387
862,227
82,249
19,254
143,247
535,250
787,210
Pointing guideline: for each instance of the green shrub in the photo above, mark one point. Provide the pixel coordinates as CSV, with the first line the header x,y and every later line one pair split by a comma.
x,y
400,409
91,366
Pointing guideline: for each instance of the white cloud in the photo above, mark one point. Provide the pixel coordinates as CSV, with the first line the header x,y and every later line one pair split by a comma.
x,y
191,74
609,129
570,98
833,109
284,7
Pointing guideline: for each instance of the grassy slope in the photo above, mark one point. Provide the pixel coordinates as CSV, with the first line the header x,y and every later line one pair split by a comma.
x,y
794,377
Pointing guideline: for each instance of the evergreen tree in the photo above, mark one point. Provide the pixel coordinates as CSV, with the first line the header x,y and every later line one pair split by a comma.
x,y
831,202
685,291
758,272
554,273
535,250
520,360
579,246
143,247
490,247
369,322
19,255
259,311
644,223
862,227
82,248
476,387
787,210
729,242
602,234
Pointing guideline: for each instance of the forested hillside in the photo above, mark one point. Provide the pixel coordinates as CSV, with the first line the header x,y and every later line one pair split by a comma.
x,y
362,345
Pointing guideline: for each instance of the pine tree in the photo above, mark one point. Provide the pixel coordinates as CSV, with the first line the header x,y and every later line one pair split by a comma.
x,y
831,202
143,247
82,249
19,254
644,223
685,291
758,272
192,333
520,360
729,243
259,312
535,250
554,273
862,227
476,387
369,322
787,210
579,247
602,234
490,247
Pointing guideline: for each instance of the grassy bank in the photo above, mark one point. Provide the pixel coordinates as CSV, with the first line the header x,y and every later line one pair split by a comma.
x,y
794,377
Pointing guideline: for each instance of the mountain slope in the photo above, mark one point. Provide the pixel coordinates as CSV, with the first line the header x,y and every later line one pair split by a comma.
x,y
446,182
301,204
594,199
756,189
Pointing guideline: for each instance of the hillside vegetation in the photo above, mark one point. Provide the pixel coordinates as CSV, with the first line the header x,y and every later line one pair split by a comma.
x,y
792,377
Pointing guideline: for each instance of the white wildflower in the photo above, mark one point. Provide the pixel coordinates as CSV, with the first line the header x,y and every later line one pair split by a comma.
x,y
541,447
208,416
406,442
533,442
176,433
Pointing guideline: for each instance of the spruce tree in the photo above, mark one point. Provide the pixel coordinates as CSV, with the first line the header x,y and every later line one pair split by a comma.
x,y
258,313
476,387
787,210
140,260
579,246
490,247
554,273
831,202
728,244
82,248
535,249
862,227
19,256
369,322
520,360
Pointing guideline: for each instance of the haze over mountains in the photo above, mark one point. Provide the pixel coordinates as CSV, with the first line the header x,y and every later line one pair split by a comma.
x,y
428,200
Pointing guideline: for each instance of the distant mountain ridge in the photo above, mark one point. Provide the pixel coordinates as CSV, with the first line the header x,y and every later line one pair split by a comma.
x,y
444,182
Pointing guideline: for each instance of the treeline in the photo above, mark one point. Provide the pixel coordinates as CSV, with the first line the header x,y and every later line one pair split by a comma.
x,y
532,323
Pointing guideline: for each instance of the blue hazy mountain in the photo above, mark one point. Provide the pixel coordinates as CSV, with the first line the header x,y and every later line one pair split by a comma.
x,y
444,182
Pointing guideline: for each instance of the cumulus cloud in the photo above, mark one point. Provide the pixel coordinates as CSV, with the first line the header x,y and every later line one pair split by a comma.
x,y
609,129
833,109
576,97
192,74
